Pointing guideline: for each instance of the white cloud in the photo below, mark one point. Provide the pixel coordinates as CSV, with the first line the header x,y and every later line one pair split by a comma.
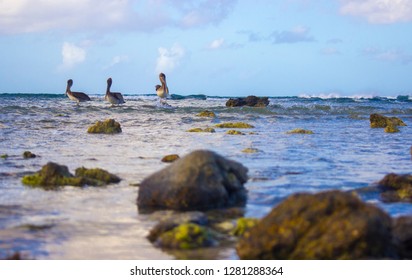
x,y
378,11
389,55
169,59
118,59
30,16
72,55
216,44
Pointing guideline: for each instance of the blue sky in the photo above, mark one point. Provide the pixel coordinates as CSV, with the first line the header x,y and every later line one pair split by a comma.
x,y
212,47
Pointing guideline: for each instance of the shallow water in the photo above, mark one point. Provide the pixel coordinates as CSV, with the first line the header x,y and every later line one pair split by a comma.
x,y
104,223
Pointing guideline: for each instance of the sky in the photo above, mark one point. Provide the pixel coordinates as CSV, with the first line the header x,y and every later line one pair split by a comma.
x,y
211,47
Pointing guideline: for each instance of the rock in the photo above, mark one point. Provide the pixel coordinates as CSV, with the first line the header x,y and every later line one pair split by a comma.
x,y
186,236
251,101
234,125
170,158
244,224
402,231
328,225
250,150
53,175
199,181
4,156
28,154
300,131
97,176
109,126
396,188
207,113
234,132
198,129
389,123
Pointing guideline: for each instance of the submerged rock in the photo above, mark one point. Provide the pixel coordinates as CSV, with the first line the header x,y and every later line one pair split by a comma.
x,y
199,181
4,156
53,175
234,125
28,154
207,114
396,188
109,126
251,101
300,131
170,158
234,132
329,225
198,129
250,150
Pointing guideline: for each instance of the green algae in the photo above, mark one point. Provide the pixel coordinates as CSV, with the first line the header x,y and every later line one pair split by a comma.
x,y
4,156
198,129
206,114
299,131
109,126
97,176
28,155
242,225
234,125
234,132
250,150
186,236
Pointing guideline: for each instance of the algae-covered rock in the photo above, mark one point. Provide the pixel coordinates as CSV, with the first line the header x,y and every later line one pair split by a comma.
x,y
170,158
396,188
402,232
300,131
380,121
251,101
234,132
198,129
97,176
207,114
186,236
28,154
53,175
109,126
244,224
4,156
328,225
201,180
250,150
234,125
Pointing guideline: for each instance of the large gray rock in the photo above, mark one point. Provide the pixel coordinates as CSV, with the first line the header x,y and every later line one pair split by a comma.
x,y
199,181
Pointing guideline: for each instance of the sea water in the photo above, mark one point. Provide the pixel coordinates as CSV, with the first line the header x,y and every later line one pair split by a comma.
x,y
343,153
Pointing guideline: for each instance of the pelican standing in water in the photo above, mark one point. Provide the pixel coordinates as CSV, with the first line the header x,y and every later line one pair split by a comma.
x,y
113,97
162,91
74,95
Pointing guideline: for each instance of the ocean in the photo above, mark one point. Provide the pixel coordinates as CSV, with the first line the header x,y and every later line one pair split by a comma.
x,y
343,153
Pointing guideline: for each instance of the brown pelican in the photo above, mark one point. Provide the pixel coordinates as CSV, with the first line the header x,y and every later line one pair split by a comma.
x,y
113,97
162,91
76,96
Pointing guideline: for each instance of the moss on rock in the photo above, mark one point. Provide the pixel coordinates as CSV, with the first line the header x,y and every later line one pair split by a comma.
x,y
28,154
244,224
396,188
4,156
234,125
198,129
299,131
250,150
234,132
389,123
207,114
170,158
109,126
97,176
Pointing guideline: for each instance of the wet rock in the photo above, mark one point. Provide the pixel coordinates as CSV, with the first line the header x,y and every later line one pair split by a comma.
x,y
97,176
243,225
234,125
198,129
28,154
109,126
207,114
199,181
402,231
389,123
4,156
53,175
396,188
328,225
234,132
251,101
170,158
300,131
250,150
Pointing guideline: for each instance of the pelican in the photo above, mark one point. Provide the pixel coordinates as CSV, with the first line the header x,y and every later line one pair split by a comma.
x,y
113,97
162,91
75,96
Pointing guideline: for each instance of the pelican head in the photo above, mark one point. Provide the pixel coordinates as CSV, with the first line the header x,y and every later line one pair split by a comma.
x,y
162,78
109,81
69,82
